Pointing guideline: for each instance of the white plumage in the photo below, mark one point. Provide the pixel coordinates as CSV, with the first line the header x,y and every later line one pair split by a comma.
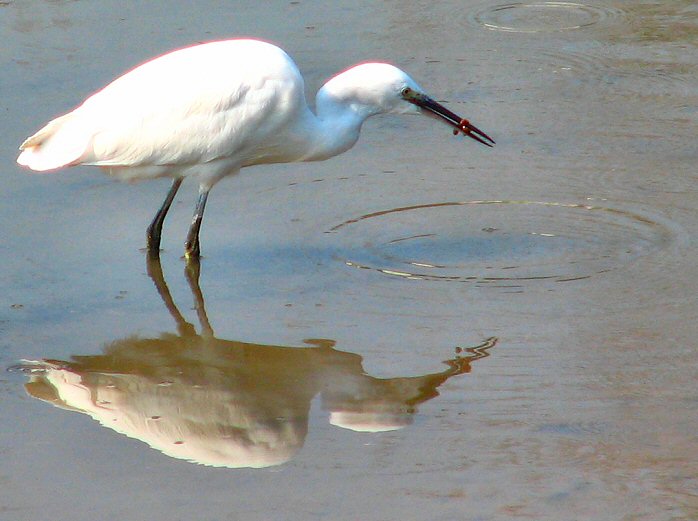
x,y
208,110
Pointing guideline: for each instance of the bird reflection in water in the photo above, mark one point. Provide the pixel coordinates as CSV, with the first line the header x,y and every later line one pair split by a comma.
x,y
226,403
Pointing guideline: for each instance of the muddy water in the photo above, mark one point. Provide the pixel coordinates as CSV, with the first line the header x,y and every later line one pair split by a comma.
x,y
301,375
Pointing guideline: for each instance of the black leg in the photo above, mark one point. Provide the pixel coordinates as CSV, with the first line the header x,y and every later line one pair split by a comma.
x,y
191,247
154,230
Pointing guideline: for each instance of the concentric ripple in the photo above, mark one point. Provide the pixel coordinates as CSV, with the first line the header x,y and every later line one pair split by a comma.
x,y
499,243
641,75
538,17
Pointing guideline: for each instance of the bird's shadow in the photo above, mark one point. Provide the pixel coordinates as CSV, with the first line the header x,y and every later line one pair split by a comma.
x,y
226,403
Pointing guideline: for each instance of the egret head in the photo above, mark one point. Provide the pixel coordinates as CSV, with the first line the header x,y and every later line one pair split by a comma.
x,y
378,88
374,88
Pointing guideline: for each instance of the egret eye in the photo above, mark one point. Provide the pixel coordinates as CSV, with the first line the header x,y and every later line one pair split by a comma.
x,y
406,91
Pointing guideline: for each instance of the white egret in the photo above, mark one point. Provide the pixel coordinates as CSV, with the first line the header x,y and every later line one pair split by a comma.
x,y
209,110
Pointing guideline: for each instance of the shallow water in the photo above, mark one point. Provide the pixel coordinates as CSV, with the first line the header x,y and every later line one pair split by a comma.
x,y
302,375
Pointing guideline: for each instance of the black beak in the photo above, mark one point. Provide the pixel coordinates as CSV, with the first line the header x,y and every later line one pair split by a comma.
x,y
459,124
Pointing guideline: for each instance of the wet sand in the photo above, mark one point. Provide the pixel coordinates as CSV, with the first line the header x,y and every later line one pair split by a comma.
x,y
302,376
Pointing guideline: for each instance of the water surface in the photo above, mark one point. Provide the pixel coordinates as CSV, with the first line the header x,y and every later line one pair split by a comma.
x,y
302,376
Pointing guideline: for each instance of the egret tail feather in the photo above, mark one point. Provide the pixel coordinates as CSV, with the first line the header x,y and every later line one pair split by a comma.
x,y
60,143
